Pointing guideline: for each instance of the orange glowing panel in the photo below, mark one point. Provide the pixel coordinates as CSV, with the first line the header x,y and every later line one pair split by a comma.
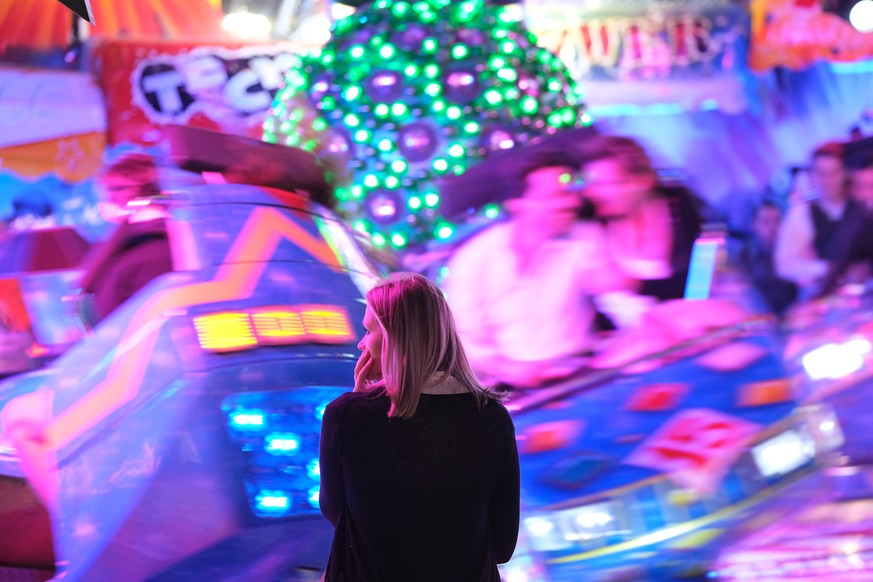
x,y
326,324
228,331
278,325
764,393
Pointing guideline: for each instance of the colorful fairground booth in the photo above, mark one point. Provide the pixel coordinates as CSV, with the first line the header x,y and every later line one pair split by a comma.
x,y
77,95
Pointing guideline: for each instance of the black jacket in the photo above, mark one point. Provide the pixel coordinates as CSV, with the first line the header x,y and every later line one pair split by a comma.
x,y
431,498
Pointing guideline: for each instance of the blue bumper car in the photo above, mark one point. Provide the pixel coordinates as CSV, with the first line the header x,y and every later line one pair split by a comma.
x,y
178,440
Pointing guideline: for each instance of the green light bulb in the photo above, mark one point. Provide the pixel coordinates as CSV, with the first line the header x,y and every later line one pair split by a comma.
x,y
371,181
460,51
431,199
399,109
328,103
319,124
352,120
411,70
432,70
400,9
360,225
378,239
454,112
414,202
555,119
506,16
457,150
507,74
433,89
351,92
358,191
399,166
568,115
586,119
493,96
496,62
507,46
471,127
440,165
529,105
327,58
362,136
445,231
386,145
392,182
357,52
554,85
492,211
398,240
430,45
381,110
341,194
420,7
388,51
439,105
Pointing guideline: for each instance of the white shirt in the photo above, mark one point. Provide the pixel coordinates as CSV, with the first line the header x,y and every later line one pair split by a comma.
x,y
540,313
795,257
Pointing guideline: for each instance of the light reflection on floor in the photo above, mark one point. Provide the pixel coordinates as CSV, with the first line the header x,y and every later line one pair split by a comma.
x,y
830,541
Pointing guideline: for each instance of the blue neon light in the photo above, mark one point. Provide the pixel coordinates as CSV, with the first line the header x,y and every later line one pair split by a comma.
x,y
285,443
248,419
313,496
277,432
273,502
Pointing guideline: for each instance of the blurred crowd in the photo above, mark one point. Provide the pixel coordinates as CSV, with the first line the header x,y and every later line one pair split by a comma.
x,y
590,263
590,266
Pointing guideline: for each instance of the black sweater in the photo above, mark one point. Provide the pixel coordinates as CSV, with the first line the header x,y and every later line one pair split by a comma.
x,y
430,498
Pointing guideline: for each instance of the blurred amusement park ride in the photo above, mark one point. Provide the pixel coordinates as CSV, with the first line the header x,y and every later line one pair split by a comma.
x,y
178,439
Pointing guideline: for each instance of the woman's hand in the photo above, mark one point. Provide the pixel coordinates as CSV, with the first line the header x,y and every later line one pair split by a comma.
x,y
367,371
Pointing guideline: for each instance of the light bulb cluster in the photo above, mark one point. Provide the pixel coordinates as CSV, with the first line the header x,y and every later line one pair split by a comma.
x,y
407,93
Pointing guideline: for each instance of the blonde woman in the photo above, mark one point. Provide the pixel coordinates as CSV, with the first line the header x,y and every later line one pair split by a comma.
x,y
419,466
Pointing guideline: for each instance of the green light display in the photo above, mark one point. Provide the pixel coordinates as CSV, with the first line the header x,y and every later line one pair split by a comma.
x,y
408,92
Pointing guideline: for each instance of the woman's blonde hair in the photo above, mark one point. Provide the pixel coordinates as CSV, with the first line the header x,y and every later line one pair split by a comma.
x,y
420,343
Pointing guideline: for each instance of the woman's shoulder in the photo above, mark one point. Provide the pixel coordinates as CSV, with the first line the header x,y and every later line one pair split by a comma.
x,y
351,401
495,410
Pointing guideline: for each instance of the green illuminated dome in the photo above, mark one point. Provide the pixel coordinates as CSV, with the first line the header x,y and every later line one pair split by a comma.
x,y
407,92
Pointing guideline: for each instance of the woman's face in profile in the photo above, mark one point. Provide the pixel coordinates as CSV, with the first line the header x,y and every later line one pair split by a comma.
x,y
372,340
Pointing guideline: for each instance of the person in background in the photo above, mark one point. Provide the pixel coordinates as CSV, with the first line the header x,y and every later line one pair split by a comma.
x,y
861,181
854,244
419,465
138,250
755,259
522,288
650,228
809,238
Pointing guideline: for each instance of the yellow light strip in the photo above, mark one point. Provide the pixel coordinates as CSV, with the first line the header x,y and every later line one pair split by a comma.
x,y
225,332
